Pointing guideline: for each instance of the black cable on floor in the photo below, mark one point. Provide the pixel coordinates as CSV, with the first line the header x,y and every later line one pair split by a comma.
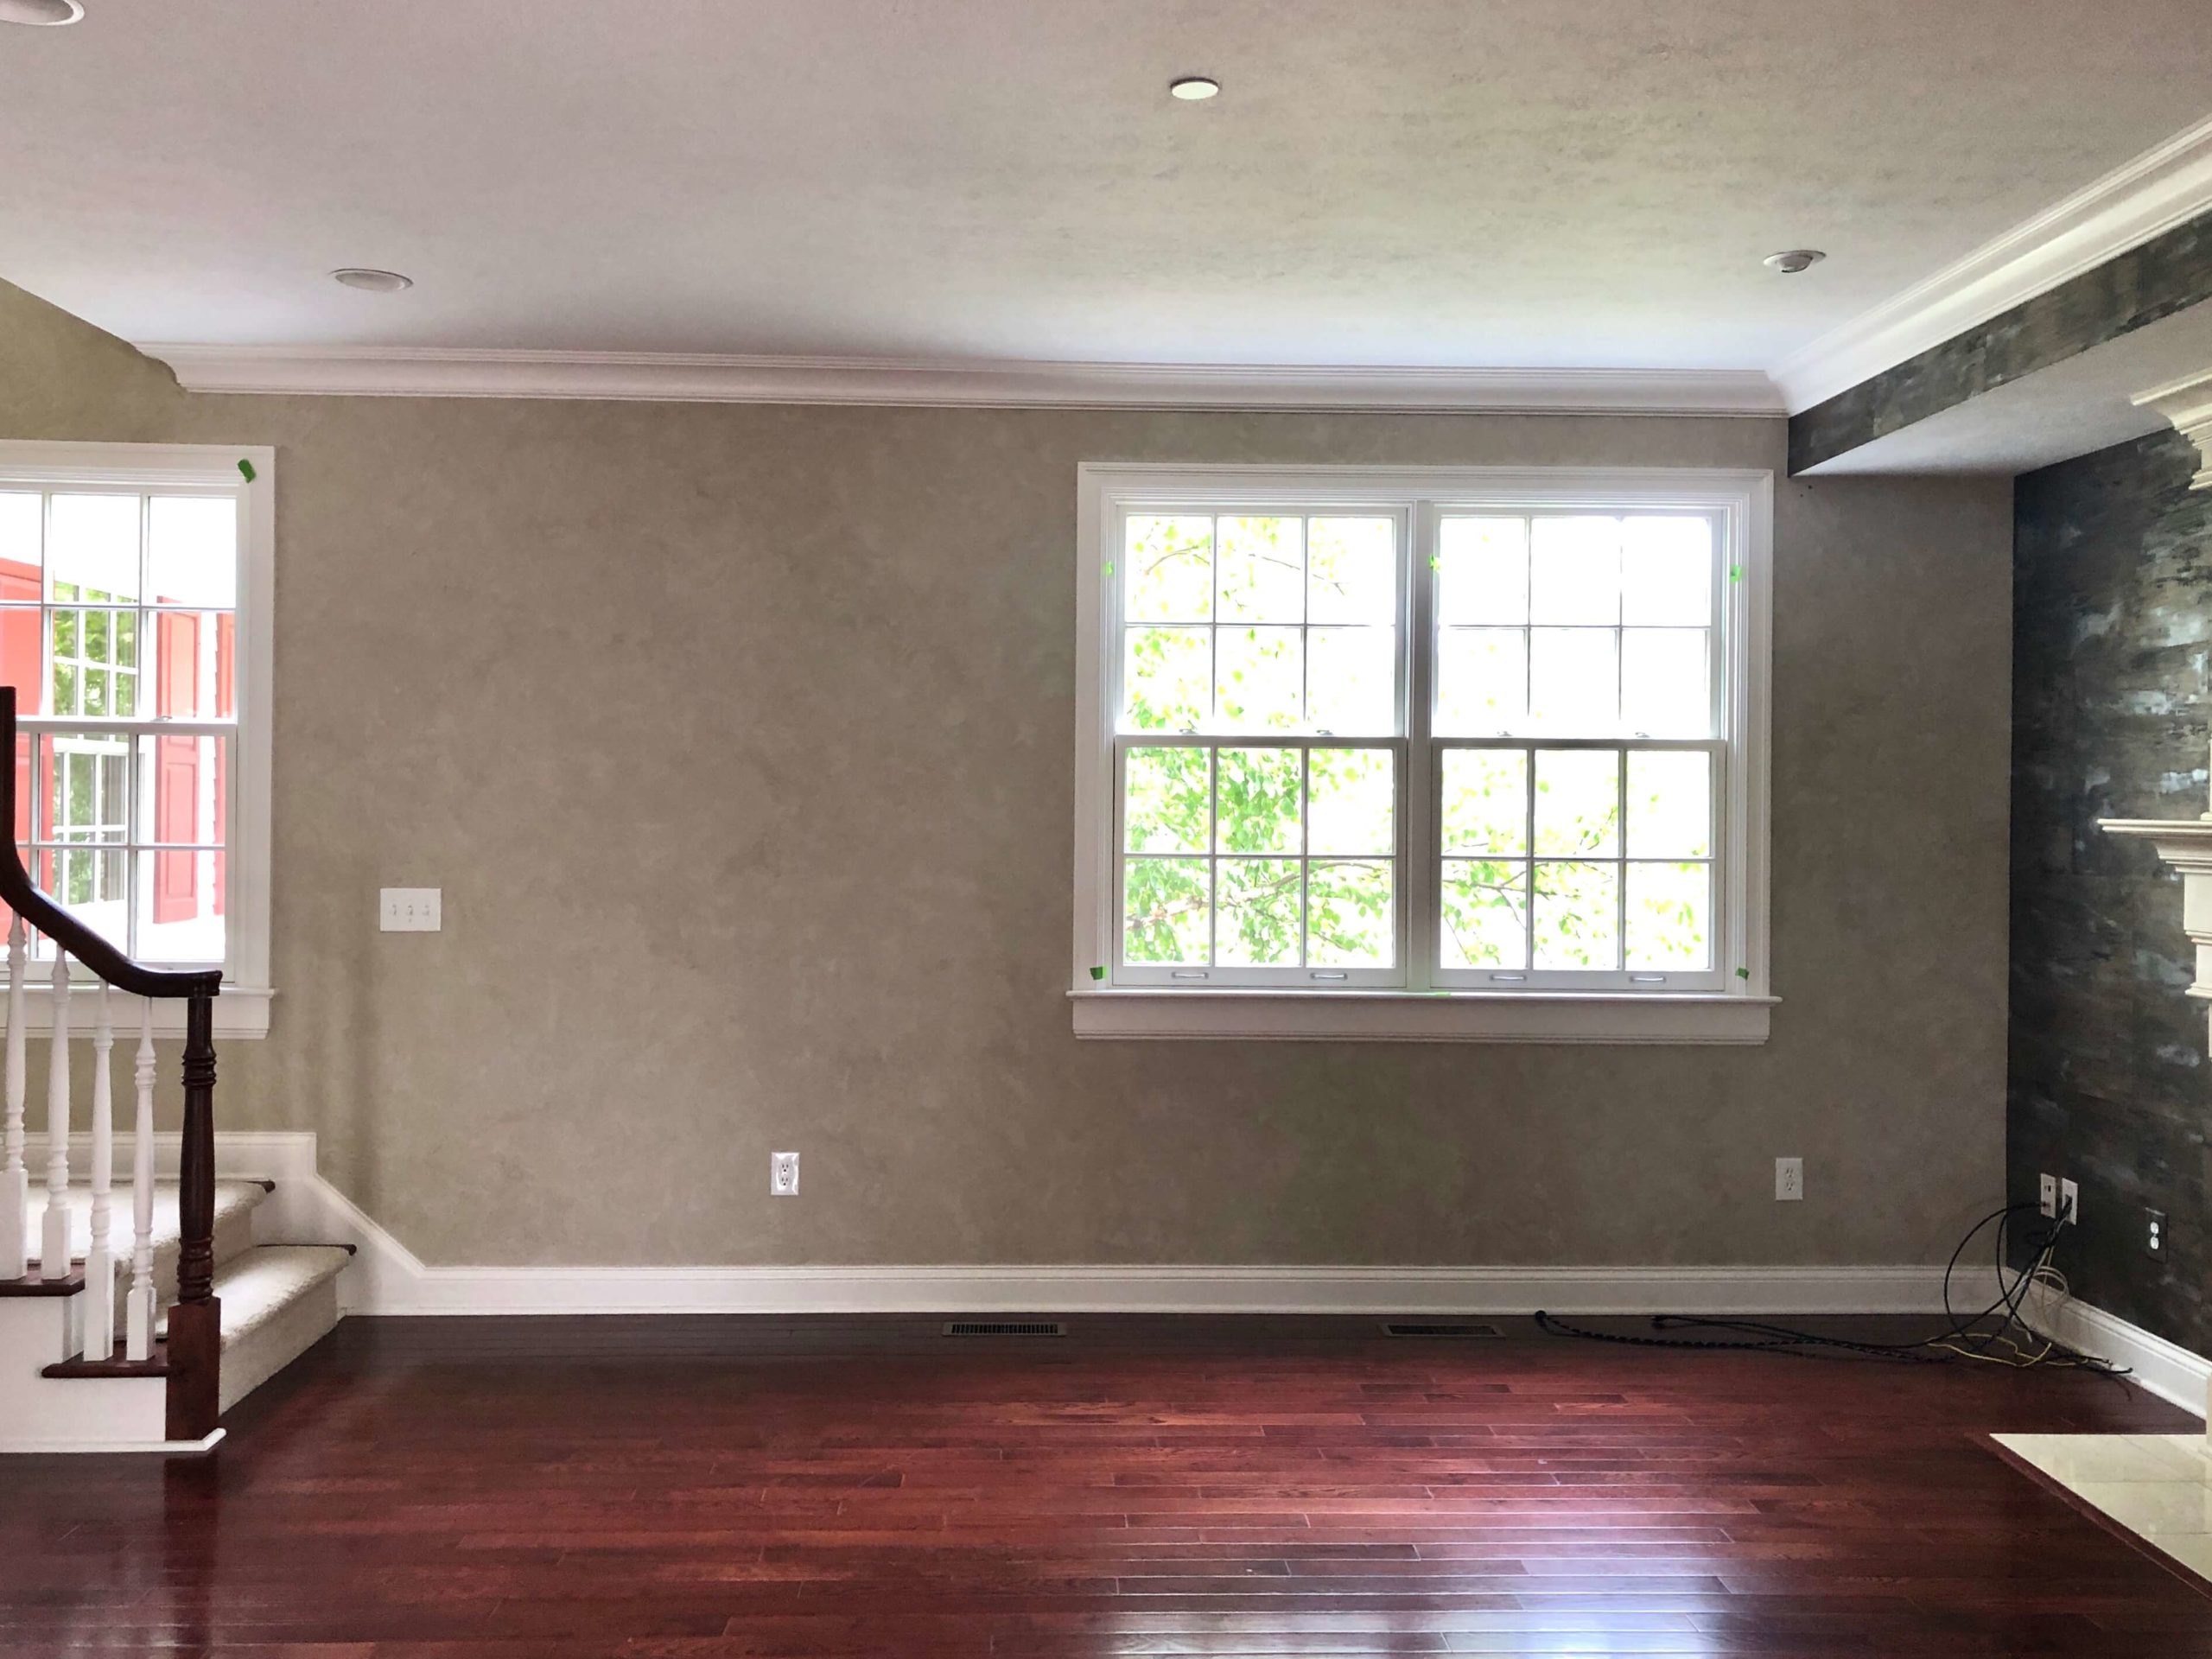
x,y
1768,1338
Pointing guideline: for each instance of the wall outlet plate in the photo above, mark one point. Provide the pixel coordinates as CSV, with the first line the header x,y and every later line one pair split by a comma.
x,y
2047,1196
410,910
1789,1180
2070,1204
782,1174
2154,1234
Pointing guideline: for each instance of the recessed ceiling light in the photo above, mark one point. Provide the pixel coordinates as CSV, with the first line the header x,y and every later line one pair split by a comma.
x,y
1793,260
1193,89
372,282
45,13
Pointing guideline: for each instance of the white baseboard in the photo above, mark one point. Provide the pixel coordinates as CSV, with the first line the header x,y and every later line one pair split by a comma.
x,y
2159,1367
21,1446
387,1278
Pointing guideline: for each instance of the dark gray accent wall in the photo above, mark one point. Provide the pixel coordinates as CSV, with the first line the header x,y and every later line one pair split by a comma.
x,y
2164,275
2109,1084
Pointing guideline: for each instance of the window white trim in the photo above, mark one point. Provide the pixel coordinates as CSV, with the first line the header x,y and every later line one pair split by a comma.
x,y
242,1008
1736,1013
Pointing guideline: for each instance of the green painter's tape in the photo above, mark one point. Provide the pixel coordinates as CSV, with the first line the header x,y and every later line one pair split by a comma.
x,y
1109,570
1743,973
1098,973
246,467
1735,573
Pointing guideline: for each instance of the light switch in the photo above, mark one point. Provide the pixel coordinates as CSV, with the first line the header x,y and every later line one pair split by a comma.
x,y
410,910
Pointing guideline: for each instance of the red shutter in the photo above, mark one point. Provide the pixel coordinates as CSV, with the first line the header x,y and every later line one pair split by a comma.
x,y
177,767
22,659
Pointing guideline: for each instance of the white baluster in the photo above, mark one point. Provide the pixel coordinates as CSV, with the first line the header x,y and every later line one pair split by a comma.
x,y
15,1177
99,1259
53,1252
138,1322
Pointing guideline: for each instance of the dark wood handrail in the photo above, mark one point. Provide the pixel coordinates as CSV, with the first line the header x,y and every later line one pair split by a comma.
x,y
21,894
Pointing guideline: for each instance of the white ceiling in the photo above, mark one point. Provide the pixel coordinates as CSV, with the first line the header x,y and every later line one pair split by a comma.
x,y
1438,182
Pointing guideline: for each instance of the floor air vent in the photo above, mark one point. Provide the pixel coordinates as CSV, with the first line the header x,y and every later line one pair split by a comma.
x,y
1005,1328
1409,1328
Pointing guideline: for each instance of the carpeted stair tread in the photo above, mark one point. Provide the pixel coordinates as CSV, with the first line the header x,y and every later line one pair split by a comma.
x,y
235,1202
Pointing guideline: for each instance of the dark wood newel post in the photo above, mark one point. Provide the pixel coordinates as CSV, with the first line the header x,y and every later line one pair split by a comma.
x,y
196,1321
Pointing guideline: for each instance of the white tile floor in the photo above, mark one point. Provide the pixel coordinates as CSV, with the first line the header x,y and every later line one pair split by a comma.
x,y
2158,1486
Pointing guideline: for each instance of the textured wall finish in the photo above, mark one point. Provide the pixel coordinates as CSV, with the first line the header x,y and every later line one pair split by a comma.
x,y
2162,277
2113,595
741,741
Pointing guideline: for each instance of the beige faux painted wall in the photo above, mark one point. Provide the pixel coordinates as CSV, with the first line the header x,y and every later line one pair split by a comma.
x,y
740,740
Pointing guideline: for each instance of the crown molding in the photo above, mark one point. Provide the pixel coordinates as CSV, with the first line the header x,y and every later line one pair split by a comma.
x,y
435,371
2187,404
2167,185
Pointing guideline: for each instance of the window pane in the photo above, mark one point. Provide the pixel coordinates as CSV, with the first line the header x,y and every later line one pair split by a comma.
x,y
1482,570
194,665
1165,802
1574,570
1263,570
191,551
1352,570
1258,807
1669,804
1351,681
93,545
183,783
1572,680
1669,916
1353,806
1667,571
1260,679
1348,922
23,519
1486,914
1167,910
98,645
1485,803
180,904
1482,680
1257,925
1168,568
1577,917
83,807
1165,679
1578,801
1665,691
22,662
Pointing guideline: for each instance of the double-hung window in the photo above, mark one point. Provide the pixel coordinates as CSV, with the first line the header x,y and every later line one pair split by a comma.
x,y
1441,754
134,593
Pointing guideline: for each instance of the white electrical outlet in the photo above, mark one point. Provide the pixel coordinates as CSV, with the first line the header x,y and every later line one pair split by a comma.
x,y
2070,1203
1789,1180
410,910
782,1174
2047,1196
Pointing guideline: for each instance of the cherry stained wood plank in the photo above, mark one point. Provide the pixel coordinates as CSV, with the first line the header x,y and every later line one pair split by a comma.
x,y
709,1488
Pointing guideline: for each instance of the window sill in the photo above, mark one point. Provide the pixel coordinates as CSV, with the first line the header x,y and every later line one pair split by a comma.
x,y
1418,1017
239,1013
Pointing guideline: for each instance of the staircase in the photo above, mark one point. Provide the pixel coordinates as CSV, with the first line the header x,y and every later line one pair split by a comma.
x,y
98,1352
276,1301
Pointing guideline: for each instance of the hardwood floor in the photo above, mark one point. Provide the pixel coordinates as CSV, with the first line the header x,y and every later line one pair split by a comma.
x,y
681,1488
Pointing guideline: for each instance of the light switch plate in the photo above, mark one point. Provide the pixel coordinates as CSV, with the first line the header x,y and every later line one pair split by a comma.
x,y
410,910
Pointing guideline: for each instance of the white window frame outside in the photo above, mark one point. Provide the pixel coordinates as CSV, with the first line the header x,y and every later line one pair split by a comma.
x,y
242,1010
1730,1005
